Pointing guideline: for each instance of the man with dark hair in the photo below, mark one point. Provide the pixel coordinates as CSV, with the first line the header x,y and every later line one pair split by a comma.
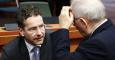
x,y
34,42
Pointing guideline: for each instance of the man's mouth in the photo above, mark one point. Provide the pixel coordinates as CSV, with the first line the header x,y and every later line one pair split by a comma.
x,y
38,38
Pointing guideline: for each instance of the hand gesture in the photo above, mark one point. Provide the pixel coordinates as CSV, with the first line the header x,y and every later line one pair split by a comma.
x,y
66,17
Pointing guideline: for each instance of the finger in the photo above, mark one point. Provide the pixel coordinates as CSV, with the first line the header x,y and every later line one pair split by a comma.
x,y
65,10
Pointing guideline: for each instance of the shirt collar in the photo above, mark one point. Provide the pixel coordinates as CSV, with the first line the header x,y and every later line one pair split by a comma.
x,y
98,25
29,46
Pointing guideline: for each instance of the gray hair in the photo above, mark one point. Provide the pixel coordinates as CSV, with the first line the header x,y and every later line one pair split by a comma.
x,y
91,9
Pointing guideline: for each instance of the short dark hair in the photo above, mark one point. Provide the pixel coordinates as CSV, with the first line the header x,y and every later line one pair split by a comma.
x,y
26,12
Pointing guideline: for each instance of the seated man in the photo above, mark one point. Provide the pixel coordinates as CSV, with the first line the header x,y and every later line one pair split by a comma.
x,y
33,43
89,17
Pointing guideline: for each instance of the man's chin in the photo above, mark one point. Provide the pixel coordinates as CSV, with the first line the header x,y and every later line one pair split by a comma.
x,y
39,43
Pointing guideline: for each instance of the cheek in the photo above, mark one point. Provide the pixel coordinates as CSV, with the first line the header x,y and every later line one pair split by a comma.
x,y
28,35
43,31
79,27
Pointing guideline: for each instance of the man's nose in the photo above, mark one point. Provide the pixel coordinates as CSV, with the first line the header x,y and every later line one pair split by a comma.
x,y
39,32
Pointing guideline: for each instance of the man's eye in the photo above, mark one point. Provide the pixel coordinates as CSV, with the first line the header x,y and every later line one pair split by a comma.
x,y
33,28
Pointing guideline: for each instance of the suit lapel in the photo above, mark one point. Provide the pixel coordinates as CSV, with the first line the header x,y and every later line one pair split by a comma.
x,y
23,50
43,53
46,49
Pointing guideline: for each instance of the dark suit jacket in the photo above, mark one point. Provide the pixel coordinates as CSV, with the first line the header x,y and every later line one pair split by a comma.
x,y
17,50
99,46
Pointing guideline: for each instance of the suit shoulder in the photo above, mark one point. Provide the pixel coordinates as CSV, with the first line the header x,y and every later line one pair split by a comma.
x,y
108,33
12,44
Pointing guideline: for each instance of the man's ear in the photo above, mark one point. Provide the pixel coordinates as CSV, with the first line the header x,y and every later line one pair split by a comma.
x,y
83,22
21,31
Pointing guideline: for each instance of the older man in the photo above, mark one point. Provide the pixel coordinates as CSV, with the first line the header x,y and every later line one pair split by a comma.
x,y
89,17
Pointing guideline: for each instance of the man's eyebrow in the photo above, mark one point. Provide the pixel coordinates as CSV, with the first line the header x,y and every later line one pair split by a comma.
x,y
42,25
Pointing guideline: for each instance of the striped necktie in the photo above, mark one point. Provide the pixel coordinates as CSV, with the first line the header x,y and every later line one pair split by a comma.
x,y
36,55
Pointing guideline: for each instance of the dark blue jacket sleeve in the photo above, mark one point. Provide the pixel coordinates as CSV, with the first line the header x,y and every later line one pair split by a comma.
x,y
61,44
